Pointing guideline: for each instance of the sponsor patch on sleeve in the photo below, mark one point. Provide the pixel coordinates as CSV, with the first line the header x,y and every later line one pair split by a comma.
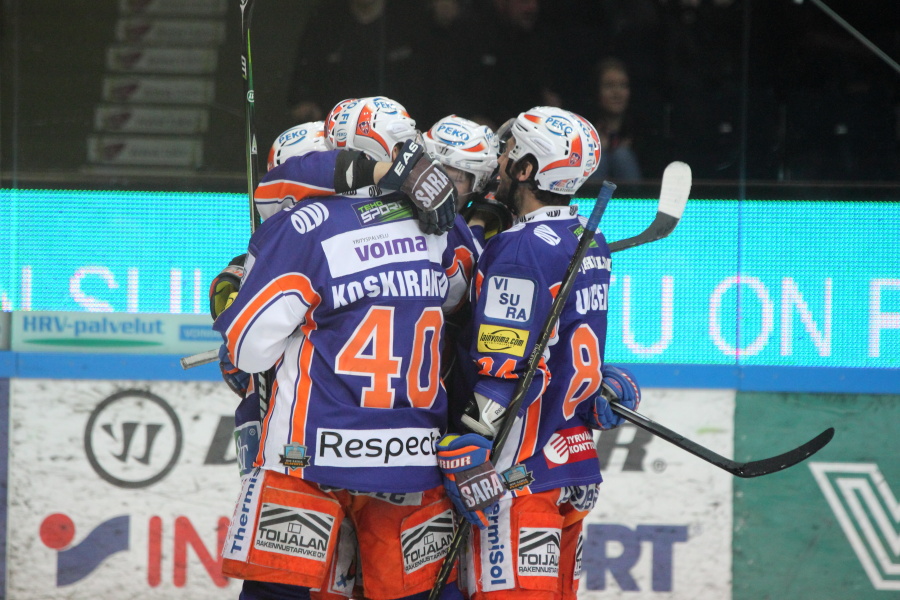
x,y
495,338
509,299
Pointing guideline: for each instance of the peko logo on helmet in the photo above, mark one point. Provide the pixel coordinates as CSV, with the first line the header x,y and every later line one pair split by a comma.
x,y
384,105
292,137
559,125
452,133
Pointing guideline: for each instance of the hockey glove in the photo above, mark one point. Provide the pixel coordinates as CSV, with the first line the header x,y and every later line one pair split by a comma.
x,y
496,216
618,385
236,379
225,286
483,416
469,477
427,185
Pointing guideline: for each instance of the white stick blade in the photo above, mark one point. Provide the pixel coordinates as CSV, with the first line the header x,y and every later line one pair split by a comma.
x,y
676,187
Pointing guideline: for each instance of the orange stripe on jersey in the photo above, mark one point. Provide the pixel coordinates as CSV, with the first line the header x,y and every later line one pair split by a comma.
x,y
554,291
465,260
302,394
479,279
282,188
530,431
264,433
275,288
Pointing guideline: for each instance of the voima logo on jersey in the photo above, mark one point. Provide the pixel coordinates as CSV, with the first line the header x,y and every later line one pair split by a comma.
x,y
308,217
427,543
559,125
391,247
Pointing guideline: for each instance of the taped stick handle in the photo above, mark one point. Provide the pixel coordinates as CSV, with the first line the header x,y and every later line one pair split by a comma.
x,y
518,397
202,358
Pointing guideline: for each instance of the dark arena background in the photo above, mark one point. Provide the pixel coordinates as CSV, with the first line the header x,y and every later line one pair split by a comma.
x,y
772,311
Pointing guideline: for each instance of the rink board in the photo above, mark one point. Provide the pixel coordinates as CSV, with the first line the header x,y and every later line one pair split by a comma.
x,y
96,512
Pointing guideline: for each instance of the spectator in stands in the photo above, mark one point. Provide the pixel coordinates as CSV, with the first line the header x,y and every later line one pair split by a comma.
x,y
517,68
445,55
618,160
353,48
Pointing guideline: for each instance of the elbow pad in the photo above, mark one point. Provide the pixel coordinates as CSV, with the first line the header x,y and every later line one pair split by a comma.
x,y
353,170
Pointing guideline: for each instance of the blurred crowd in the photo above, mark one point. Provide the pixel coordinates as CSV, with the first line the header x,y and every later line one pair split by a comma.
x,y
775,90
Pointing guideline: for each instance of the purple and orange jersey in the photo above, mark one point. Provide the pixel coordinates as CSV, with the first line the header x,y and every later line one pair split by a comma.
x,y
345,297
518,276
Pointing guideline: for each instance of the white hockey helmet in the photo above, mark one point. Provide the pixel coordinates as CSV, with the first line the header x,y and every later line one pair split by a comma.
x,y
464,145
372,125
330,121
565,146
300,139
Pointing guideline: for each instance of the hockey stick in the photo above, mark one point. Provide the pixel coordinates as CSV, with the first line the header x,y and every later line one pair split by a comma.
x,y
534,359
753,468
250,131
673,195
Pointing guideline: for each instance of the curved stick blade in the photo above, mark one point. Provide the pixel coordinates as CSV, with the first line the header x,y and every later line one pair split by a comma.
x,y
786,460
673,196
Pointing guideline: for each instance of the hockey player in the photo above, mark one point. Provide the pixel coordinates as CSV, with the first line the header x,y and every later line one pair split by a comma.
x,y
549,462
344,297
468,151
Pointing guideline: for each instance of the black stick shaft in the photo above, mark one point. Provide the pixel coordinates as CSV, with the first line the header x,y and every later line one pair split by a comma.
x,y
534,359
754,468
250,128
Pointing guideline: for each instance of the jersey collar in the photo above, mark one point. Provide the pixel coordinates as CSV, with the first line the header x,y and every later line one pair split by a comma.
x,y
550,213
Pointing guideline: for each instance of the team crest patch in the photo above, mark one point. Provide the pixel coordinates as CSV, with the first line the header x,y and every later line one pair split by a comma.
x,y
293,531
294,456
492,338
517,477
428,542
